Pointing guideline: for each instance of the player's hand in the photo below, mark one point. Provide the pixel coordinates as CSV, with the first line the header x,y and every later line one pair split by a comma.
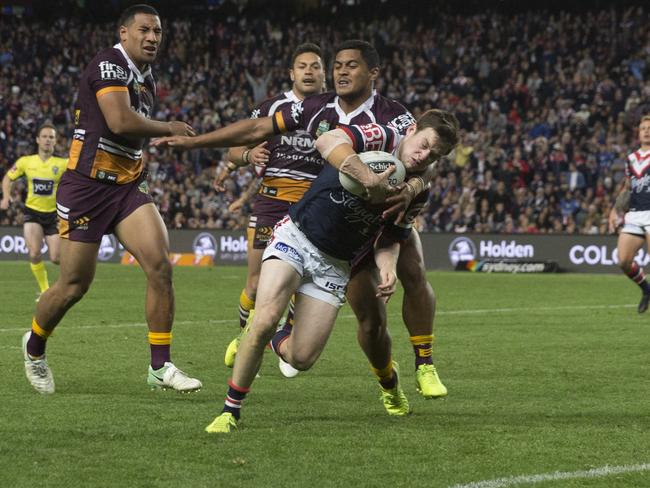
x,y
399,203
178,128
4,204
259,155
218,182
614,221
379,188
236,205
388,284
177,142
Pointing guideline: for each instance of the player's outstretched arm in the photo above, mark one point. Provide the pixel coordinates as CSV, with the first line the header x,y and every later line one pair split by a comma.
x,y
241,133
336,147
124,121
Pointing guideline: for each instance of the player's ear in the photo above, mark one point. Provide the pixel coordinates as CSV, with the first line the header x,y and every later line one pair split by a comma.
x,y
374,73
411,129
292,76
122,32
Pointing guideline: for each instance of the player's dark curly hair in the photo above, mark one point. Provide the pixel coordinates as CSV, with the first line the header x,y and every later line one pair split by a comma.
x,y
445,124
141,8
368,51
306,47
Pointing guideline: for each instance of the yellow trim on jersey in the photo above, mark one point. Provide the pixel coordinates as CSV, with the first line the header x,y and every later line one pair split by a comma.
x,y
42,180
110,89
284,189
279,119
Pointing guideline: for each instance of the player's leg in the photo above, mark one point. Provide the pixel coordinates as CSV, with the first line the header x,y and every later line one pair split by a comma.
x,y
628,246
34,236
418,310
246,298
144,235
278,281
314,320
78,261
373,335
54,247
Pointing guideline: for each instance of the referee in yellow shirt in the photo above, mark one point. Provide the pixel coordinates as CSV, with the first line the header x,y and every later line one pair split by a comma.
x,y
43,172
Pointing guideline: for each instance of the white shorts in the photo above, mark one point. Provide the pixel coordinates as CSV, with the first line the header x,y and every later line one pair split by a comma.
x,y
323,277
637,223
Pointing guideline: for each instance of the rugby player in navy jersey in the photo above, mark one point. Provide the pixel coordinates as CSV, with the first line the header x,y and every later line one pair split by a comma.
x,y
104,190
311,251
634,197
289,163
356,67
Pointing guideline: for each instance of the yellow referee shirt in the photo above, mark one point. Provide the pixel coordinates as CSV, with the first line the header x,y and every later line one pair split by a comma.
x,y
42,180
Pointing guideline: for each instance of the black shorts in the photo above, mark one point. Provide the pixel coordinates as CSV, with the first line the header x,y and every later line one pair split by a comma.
x,y
47,220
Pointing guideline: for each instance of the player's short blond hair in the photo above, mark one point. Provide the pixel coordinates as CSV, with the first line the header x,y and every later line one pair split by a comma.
x,y
645,118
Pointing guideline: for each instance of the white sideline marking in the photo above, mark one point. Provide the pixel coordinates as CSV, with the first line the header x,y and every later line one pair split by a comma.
x,y
349,316
558,475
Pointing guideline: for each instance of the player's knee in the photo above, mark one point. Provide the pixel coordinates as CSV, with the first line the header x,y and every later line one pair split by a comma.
x,y
160,273
73,292
625,263
302,361
35,256
370,324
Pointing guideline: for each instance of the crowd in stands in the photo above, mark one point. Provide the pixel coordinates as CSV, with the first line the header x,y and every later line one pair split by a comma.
x,y
548,103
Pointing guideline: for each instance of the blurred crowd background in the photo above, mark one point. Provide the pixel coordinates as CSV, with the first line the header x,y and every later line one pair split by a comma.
x,y
548,100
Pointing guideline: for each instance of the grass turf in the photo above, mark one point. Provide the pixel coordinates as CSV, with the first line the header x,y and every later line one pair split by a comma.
x,y
545,372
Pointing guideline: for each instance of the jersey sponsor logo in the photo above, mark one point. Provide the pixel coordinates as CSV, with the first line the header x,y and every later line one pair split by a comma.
x,y
255,113
110,71
296,111
461,249
42,187
356,211
289,251
300,140
402,122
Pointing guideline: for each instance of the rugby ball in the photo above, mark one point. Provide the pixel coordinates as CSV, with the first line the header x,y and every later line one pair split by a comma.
x,y
378,161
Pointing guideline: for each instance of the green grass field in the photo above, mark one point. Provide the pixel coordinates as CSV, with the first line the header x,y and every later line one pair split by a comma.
x,y
546,374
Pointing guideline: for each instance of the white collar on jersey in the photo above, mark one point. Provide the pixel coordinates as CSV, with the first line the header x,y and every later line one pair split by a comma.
x,y
291,95
364,107
134,69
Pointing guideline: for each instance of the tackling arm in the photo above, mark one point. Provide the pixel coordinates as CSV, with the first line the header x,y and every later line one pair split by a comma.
x,y
124,121
336,147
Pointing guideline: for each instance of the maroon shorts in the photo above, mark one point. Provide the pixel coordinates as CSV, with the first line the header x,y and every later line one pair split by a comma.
x,y
266,213
88,209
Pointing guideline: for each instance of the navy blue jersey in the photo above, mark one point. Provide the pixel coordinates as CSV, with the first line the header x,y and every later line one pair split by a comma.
x,y
336,221
637,170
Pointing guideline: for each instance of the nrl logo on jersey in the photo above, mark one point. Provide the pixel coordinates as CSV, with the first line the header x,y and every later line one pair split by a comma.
x,y
111,71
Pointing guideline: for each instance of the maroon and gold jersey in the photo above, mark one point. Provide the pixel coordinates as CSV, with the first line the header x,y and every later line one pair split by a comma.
x,y
96,151
294,161
319,113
